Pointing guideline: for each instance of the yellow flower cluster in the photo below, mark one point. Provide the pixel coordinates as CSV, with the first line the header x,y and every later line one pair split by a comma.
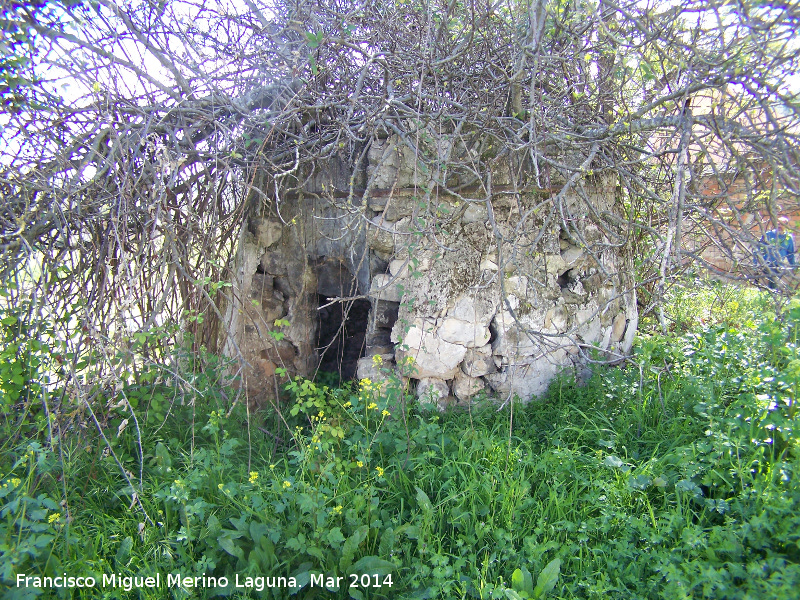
x,y
12,483
360,464
372,406
287,485
386,413
253,476
53,517
380,471
338,510
377,360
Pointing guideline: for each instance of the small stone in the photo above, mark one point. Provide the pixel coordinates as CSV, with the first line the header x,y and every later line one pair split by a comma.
x,y
267,367
571,255
588,324
516,285
476,309
430,390
423,354
268,232
464,333
273,263
528,380
477,364
475,213
554,263
384,313
618,327
465,387
382,287
399,268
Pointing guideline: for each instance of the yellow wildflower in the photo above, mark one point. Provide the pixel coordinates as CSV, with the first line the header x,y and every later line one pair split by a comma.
x,y
338,510
386,413
272,467
287,485
15,481
253,476
360,464
377,360
380,471
372,406
53,518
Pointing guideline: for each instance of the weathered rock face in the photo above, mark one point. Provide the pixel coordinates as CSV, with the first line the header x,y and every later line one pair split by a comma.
x,y
466,298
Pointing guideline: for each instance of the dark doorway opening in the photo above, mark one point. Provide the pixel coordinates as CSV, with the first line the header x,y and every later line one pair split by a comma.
x,y
341,337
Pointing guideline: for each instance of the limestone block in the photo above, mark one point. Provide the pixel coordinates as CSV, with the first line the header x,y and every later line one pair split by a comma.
x,y
571,255
431,390
368,369
477,364
465,387
379,337
382,288
511,339
475,213
267,367
395,207
334,280
466,333
475,307
384,161
267,232
273,263
261,286
380,237
399,268
555,264
618,327
394,164
606,338
488,265
588,324
516,285
280,352
272,310
384,313
528,380
556,320
423,354
484,350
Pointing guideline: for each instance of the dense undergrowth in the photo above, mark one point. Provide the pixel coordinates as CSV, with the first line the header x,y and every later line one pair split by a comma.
x,y
675,476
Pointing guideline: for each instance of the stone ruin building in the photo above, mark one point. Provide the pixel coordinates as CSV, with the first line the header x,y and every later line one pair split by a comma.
x,y
462,296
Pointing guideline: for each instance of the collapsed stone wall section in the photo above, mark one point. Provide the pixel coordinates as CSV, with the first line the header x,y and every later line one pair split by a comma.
x,y
467,298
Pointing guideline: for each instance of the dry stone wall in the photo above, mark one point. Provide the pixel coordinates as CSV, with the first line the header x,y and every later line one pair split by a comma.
x,y
467,297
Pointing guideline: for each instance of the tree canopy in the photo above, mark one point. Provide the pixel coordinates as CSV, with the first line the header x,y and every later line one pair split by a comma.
x,y
133,135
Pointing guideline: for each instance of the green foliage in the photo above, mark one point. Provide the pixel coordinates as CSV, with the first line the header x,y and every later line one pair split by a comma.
x,y
675,478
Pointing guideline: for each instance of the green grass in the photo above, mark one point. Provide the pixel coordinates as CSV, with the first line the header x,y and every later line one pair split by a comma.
x,y
674,477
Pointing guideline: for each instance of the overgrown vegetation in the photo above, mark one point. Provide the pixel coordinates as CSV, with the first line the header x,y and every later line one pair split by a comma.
x,y
673,477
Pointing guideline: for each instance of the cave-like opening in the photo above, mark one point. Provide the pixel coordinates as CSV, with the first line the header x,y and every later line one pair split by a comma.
x,y
341,336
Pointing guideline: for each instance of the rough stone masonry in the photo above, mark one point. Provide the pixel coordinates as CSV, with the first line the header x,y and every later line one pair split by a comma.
x,y
484,295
